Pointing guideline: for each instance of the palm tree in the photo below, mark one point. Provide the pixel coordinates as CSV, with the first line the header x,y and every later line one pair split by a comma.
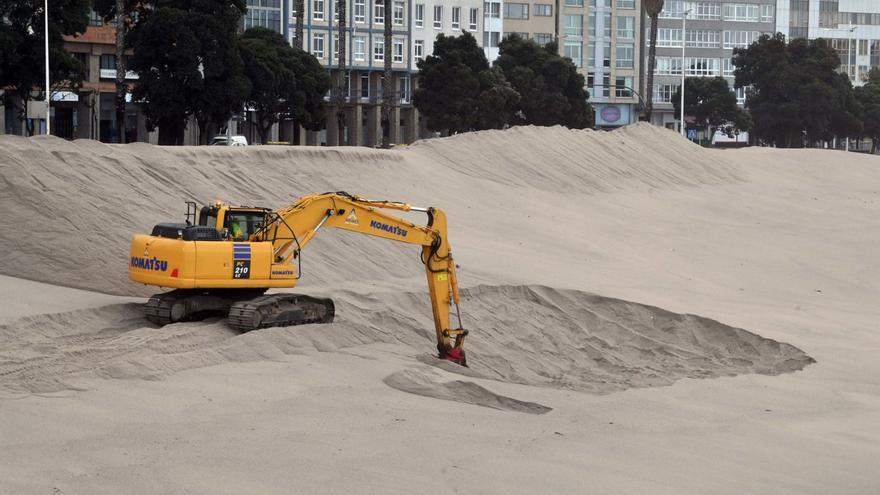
x,y
652,9
300,15
340,76
388,97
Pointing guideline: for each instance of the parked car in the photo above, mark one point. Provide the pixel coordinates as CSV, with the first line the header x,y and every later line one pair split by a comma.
x,y
233,141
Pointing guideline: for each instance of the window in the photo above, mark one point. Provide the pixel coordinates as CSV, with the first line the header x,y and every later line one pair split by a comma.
x,y
318,45
740,39
334,6
574,25
741,12
707,11
704,11
438,17
456,18
335,46
293,10
360,11
95,19
606,85
669,37
403,87
419,50
516,11
728,67
379,50
508,34
472,21
574,3
663,92
360,45
420,15
626,27
740,95
379,12
607,19
398,12
667,66
492,10
606,54
625,55
591,55
600,3
543,10
318,10
698,66
591,24
768,13
491,39
398,51
365,86
626,4
542,38
621,87
574,51
702,38
263,13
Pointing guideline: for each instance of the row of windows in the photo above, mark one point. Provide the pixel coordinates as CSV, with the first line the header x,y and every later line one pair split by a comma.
x,y
834,19
706,38
663,93
521,10
359,48
716,11
622,86
626,25
621,4
694,66
363,89
399,13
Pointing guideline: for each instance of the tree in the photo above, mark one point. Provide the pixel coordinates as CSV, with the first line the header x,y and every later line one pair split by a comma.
x,y
188,64
285,82
458,92
795,92
712,105
551,89
868,97
652,10
389,98
22,52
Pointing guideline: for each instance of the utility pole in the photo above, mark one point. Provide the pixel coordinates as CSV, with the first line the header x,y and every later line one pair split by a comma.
x,y
849,62
683,44
46,39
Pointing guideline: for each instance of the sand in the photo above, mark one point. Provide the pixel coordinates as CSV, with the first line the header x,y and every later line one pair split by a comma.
x,y
647,317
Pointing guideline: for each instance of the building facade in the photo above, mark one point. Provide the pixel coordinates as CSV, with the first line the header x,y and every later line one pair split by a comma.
x,y
713,29
852,26
601,37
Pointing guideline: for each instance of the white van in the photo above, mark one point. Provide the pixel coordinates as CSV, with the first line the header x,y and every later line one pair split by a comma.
x,y
233,141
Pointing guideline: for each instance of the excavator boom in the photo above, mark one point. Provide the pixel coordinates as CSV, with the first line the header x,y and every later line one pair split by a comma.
x,y
234,254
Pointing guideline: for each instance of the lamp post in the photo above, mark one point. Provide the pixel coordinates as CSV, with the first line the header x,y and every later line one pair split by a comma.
x,y
849,62
46,38
683,44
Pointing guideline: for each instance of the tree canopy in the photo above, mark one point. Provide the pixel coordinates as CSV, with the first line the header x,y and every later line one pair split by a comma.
x,y
188,64
712,105
285,82
795,91
551,89
868,97
22,52
458,91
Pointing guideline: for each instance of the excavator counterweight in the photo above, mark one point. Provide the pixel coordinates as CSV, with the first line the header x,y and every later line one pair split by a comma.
x,y
225,262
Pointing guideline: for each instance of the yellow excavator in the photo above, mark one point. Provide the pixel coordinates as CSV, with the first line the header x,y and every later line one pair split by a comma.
x,y
224,262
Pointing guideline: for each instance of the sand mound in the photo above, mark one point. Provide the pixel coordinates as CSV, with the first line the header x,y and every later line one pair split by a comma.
x,y
523,334
70,208
428,385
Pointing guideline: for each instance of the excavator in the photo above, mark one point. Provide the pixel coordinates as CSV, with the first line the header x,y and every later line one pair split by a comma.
x,y
224,262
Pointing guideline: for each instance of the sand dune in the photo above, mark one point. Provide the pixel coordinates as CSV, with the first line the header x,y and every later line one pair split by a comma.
x,y
646,316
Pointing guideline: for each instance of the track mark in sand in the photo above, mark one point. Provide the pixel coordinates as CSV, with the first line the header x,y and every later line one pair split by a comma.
x,y
419,383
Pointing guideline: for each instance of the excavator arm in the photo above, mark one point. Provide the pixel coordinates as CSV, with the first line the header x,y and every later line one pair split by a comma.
x,y
291,229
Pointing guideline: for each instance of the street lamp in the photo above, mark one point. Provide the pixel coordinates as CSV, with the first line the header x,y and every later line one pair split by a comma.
x,y
849,62
46,37
683,44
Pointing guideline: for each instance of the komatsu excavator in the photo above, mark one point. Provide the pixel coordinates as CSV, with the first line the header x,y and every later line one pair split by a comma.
x,y
226,261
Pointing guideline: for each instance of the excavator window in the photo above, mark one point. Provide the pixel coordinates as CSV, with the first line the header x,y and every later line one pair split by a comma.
x,y
242,224
208,216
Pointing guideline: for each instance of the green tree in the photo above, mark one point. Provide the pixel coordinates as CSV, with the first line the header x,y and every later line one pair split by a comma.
x,y
652,10
868,97
285,82
712,105
22,52
188,64
795,92
551,89
458,92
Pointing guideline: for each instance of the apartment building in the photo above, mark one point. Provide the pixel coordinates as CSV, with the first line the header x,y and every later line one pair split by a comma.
x,y
601,39
714,29
852,26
